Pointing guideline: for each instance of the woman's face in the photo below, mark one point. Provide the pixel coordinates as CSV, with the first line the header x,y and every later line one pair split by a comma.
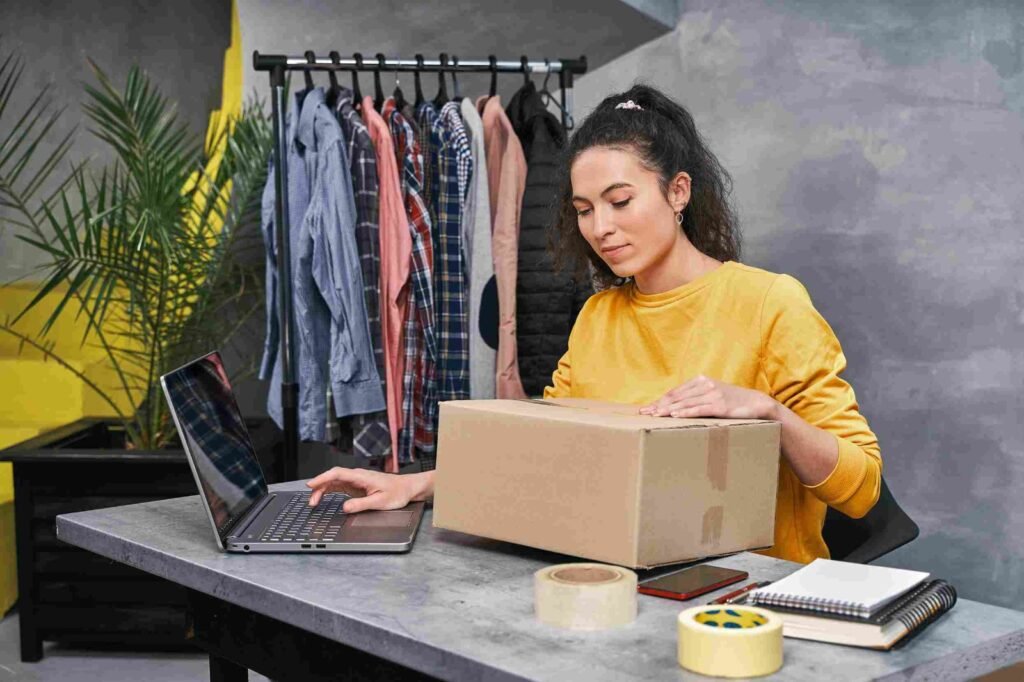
x,y
622,211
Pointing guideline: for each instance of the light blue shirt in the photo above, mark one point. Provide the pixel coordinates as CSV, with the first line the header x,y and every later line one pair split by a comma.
x,y
331,328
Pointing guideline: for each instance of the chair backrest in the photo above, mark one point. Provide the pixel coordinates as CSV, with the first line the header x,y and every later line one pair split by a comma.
x,y
879,532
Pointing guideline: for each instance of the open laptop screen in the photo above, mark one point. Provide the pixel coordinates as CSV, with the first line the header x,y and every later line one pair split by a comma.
x,y
215,436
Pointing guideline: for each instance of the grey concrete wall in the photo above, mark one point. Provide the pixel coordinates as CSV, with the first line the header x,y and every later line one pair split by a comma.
x,y
665,11
180,44
877,150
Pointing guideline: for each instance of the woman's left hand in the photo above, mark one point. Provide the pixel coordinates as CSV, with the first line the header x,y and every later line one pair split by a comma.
x,y
705,397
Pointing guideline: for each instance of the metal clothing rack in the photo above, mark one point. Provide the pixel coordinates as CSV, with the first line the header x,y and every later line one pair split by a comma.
x,y
277,65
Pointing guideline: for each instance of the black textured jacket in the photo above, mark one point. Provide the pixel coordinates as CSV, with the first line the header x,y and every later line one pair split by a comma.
x,y
547,301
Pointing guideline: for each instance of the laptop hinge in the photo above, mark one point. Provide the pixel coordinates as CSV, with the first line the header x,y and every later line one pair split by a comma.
x,y
248,517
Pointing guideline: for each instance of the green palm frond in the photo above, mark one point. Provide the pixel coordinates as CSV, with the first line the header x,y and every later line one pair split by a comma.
x,y
22,175
155,251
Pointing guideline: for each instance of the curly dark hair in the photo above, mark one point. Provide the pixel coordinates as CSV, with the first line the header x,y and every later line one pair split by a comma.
x,y
664,136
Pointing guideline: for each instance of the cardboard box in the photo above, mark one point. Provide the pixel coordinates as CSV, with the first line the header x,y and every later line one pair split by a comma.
x,y
596,480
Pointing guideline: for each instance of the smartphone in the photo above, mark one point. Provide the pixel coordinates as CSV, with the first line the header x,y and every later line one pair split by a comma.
x,y
691,582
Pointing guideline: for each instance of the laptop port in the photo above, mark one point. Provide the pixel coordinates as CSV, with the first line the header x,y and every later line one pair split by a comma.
x,y
306,546
321,546
245,547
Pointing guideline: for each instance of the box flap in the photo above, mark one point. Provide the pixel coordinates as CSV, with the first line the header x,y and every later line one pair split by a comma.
x,y
597,412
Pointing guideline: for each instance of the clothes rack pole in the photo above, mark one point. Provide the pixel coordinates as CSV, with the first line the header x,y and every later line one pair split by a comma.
x,y
566,68
277,65
288,466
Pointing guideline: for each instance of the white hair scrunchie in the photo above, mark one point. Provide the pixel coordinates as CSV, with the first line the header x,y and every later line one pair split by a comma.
x,y
630,104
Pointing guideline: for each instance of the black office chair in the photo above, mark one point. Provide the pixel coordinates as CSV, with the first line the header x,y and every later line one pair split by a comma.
x,y
861,541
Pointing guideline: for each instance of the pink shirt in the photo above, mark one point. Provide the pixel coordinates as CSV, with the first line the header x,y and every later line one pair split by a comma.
x,y
506,175
395,255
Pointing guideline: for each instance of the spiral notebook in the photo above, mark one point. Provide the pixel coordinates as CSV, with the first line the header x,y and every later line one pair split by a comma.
x,y
891,628
839,587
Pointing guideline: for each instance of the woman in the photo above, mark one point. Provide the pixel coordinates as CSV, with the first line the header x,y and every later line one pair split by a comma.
x,y
684,330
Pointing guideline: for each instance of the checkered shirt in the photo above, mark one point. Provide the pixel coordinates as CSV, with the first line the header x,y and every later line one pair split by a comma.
x,y
420,381
371,437
450,165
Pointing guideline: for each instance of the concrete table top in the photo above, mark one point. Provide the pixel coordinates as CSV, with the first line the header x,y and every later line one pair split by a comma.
x,y
461,607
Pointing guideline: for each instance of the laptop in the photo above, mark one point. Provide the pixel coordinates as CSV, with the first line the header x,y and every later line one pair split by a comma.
x,y
246,517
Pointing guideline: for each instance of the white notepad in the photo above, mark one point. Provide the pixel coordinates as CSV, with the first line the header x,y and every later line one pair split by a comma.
x,y
839,587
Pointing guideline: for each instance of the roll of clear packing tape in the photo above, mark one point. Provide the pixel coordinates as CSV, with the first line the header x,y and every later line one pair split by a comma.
x,y
730,641
585,596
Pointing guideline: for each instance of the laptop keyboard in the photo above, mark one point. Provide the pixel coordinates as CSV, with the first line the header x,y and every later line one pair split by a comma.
x,y
298,522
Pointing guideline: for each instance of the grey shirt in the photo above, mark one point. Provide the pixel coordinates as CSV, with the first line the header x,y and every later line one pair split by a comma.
x,y
476,230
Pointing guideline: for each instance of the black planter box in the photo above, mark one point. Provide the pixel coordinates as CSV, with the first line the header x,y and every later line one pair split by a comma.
x,y
72,596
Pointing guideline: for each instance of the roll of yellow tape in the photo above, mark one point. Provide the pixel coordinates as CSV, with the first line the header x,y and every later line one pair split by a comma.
x,y
585,596
730,641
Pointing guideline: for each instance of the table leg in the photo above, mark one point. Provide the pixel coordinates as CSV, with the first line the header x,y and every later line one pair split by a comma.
x,y
223,670
31,642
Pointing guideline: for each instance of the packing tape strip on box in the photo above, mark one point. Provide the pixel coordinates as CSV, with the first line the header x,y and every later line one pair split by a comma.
x,y
585,596
730,641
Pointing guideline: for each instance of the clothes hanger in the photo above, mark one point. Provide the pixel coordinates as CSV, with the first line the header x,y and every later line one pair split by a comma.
x,y
494,75
310,59
457,97
420,99
442,90
335,90
544,93
399,96
378,91
547,98
357,92
526,69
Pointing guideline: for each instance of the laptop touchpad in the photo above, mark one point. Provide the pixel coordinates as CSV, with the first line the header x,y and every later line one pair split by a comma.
x,y
381,519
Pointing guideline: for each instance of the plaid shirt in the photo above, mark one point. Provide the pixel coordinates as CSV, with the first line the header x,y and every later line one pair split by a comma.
x,y
451,116
419,405
426,114
451,167
370,434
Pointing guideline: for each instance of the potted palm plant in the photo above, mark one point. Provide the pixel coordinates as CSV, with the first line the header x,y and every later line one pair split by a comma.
x,y
157,256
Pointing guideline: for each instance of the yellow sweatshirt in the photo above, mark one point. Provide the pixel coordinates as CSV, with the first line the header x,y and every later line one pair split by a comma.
x,y
746,327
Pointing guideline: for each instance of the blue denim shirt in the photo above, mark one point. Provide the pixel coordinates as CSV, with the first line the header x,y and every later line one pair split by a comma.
x,y
331,328
334,259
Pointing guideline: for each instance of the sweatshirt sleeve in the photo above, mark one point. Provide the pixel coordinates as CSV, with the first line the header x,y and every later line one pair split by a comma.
x,y
561,380
803,362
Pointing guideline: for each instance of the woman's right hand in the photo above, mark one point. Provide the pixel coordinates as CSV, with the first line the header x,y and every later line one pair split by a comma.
x,y
371,489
